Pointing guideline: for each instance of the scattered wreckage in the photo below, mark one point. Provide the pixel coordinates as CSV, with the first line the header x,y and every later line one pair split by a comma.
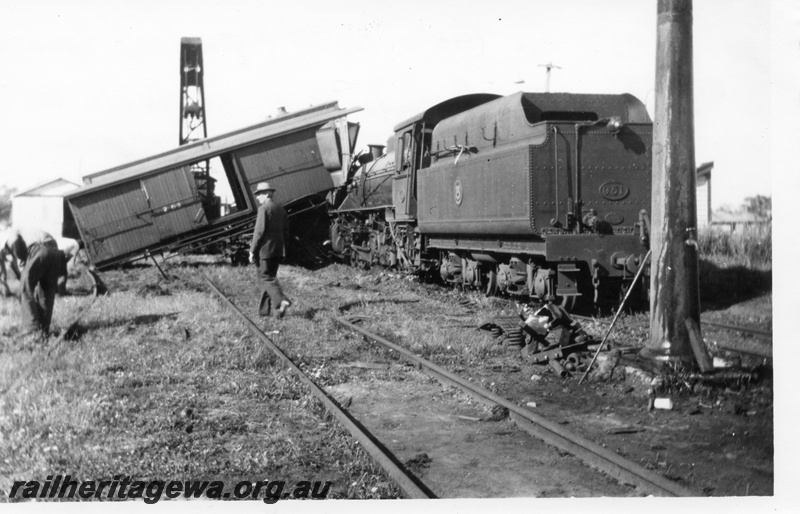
x,y
549,335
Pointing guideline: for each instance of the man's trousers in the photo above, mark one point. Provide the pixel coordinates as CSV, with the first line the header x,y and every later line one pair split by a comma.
x,y
271,294
39,285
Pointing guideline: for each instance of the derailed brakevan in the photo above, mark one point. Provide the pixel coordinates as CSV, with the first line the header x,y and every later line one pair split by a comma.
x,y
154,205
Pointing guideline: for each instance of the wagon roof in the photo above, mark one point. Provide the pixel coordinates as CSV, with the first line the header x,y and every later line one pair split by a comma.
x,y
213,146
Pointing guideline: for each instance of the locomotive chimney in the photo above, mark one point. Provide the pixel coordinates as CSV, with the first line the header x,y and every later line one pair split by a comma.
x,y
674,279
376,151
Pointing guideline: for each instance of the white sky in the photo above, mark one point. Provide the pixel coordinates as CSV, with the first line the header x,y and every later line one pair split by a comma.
x,y
87,85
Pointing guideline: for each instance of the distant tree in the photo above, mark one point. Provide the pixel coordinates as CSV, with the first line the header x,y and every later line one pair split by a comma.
x,y
759,205
5,205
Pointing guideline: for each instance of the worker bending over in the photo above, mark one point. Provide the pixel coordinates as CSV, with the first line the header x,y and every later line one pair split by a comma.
x,y
38,256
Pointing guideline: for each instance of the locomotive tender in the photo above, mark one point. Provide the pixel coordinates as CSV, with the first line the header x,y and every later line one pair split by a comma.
x,y
543,195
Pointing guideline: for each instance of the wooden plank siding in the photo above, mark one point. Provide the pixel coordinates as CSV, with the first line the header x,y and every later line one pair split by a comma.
x,y
292,164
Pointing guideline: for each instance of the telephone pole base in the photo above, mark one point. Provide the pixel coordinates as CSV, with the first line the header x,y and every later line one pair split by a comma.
x,y
664,354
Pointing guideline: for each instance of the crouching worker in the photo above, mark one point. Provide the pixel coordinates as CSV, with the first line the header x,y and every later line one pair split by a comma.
x,y
268,247
38,255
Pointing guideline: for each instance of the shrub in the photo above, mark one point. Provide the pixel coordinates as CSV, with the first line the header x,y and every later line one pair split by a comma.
x,y
5,205
750,247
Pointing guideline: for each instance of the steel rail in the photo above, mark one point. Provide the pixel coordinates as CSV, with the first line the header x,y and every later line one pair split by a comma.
x,y
753,331
591,453
410,486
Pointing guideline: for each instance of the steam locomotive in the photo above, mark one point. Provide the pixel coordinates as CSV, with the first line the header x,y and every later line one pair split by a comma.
x,y
541,195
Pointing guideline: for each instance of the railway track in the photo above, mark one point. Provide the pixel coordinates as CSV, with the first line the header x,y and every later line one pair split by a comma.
x,y
394,469
595,456
724,326
758,349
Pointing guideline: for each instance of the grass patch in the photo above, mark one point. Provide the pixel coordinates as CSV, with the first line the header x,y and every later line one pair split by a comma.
x,y
750,248
735,267
165,383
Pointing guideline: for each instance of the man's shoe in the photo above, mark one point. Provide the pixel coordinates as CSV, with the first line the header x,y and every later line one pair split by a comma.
x,y
282,309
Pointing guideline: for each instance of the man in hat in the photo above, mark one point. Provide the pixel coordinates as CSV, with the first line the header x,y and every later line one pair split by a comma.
x,y
268,247
38,255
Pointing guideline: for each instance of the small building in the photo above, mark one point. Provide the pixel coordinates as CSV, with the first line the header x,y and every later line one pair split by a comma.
x,y
704,194
737,221
42,206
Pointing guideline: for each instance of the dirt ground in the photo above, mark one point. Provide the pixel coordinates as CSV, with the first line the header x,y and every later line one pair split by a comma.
x,y
717,440
443,441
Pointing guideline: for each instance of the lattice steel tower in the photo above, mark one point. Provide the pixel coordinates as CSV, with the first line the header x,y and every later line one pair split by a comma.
x,y
193,116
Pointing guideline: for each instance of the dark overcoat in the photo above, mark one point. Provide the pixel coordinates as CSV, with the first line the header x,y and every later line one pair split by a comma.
x,y
271,231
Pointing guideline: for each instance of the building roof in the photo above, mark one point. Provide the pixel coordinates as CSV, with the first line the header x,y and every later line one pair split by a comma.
x,y
737,217
705,169
55,187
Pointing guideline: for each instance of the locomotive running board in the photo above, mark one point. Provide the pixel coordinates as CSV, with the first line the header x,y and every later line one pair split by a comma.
x,y
484,245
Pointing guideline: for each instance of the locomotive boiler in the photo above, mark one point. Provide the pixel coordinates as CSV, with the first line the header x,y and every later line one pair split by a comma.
x,y
541,195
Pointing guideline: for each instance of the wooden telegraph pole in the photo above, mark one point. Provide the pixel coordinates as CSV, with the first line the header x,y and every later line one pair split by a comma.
x,y
674,279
